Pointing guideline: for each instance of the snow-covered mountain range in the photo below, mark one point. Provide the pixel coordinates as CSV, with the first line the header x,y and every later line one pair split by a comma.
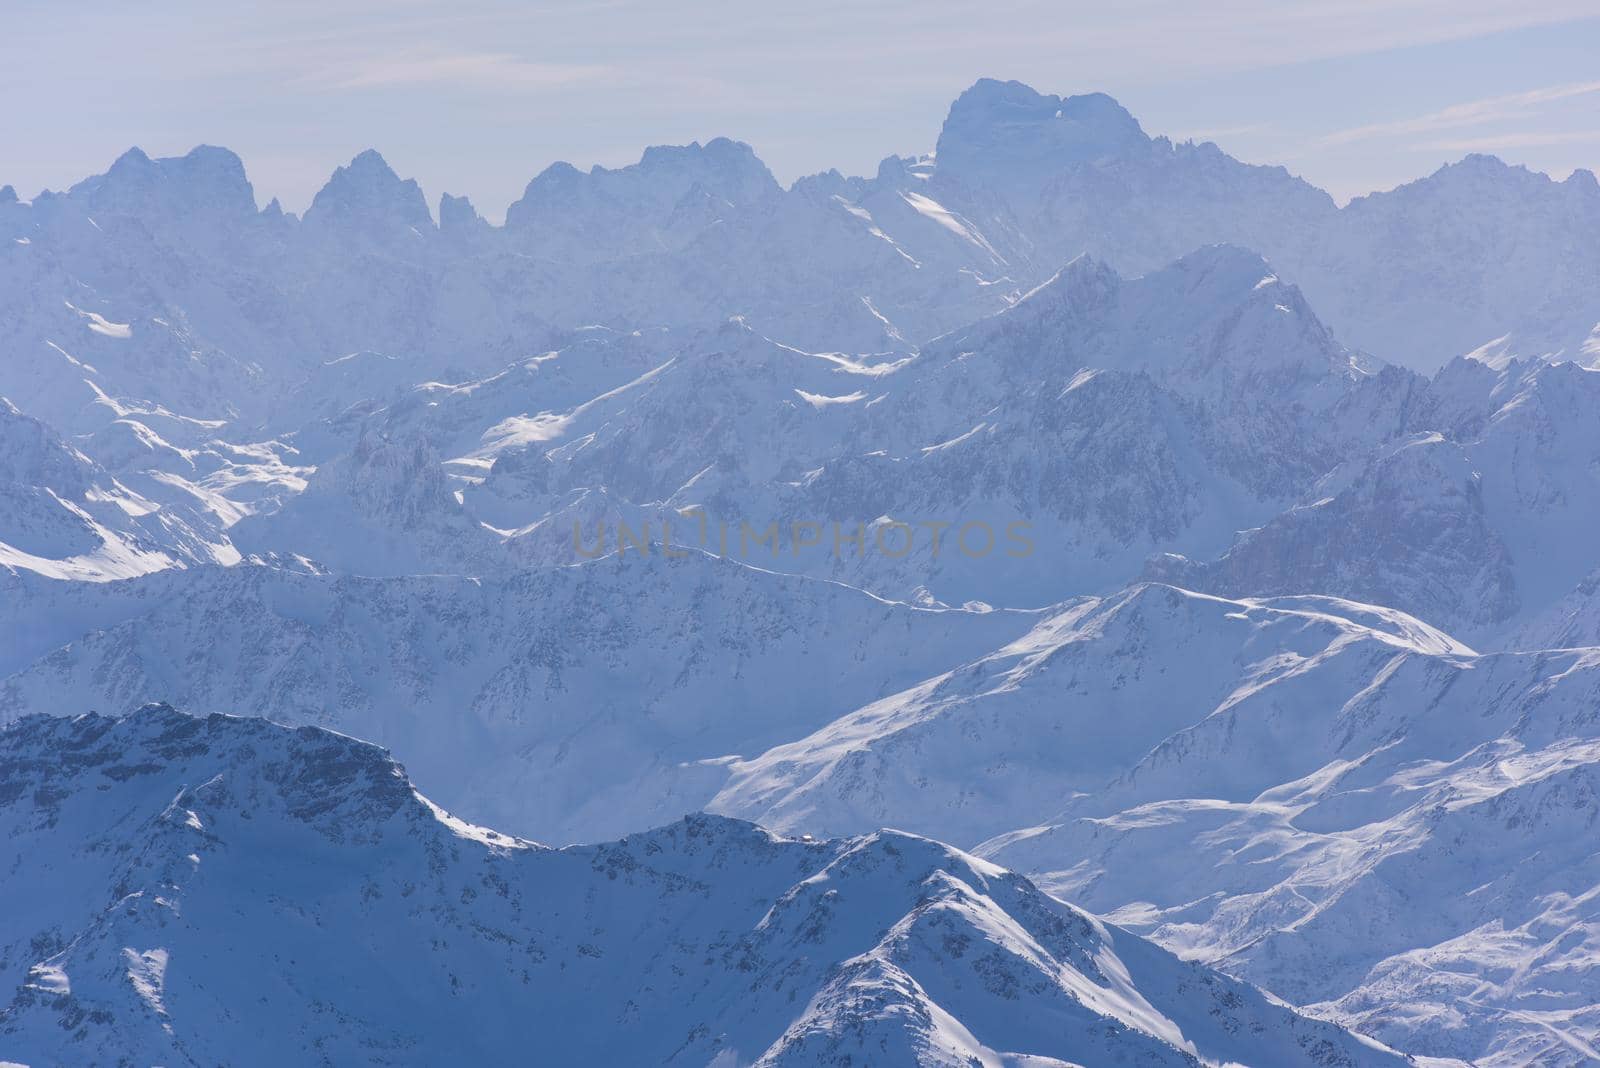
x,y
568,704
1330,799
1274,787
163,281
199,890
1216,557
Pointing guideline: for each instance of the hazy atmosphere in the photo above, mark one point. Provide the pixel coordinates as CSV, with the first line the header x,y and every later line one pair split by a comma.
x,y
475,98
900,535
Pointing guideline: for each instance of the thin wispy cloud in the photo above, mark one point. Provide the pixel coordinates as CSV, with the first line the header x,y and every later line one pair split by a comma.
x,y
1471,113
496,70
1502,142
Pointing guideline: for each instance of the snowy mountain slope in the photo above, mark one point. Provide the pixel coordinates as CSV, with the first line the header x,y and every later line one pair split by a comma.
x,y
567,704
1059,712
1068,175
368,270
697,233
63,516
468,420
1344,733
142,284
1218,380
612,214
1216,329
1573,621
1409,529
240,891
385,508
161,282
1478,253
1112,418
1332,800
1117,417
1479,522
1303,784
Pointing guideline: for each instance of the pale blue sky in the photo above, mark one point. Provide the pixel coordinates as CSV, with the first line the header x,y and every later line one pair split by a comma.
x,y
476,98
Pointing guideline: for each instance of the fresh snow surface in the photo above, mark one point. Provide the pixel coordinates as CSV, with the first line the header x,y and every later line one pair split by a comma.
x,y
1284,654
195,891
567,704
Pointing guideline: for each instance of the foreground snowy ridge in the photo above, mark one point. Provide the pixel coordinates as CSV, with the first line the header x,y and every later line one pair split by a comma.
x,y
1329,799
193,890
1273,787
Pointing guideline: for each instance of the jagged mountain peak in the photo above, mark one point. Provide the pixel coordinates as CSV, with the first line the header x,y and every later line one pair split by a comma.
x,y
1555,400
383,508
1214,319
1480,173
1227,276
134,159
207,179
367,193
720,151
654,186
1475,175
1230,265
724,167
457,215
1127,406
1583,180
320,776
558,175
397,477
1084,282
33,454
1001,129
245,880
